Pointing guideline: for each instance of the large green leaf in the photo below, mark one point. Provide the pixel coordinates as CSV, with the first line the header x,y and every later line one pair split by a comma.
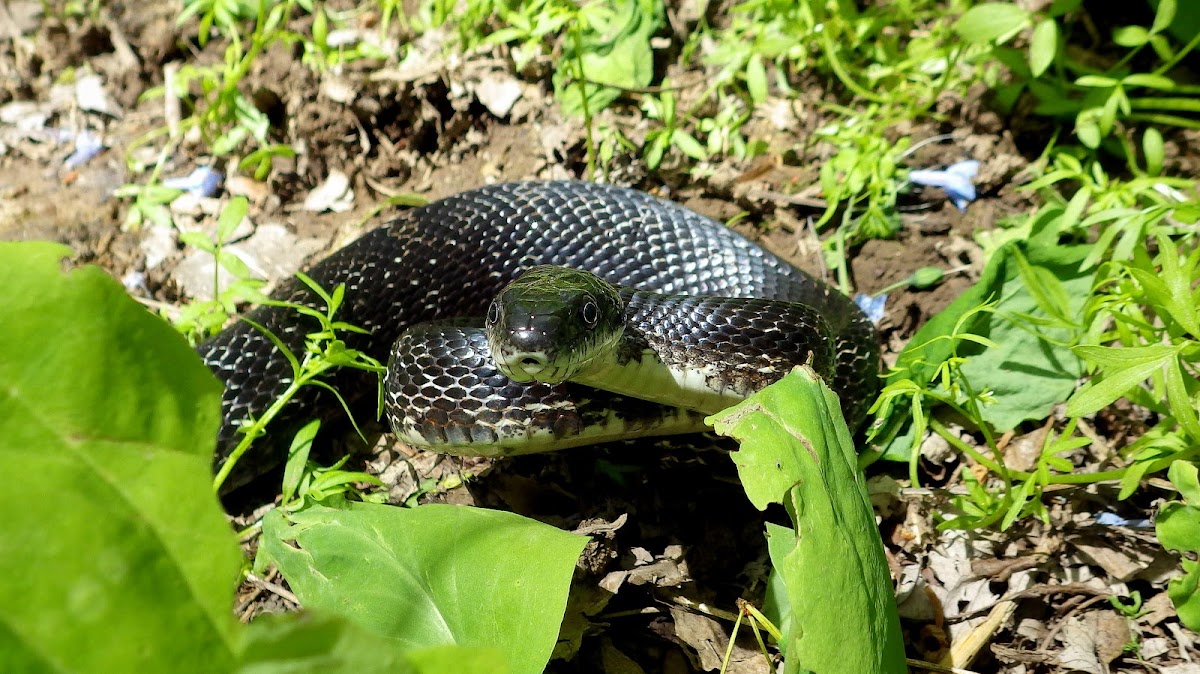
x,y
614,49
432,575
312,643
992,21
114,553
839,607
1031,368
1177,526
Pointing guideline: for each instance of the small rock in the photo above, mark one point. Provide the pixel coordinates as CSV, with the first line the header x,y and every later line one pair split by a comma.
x,y
271,253
338,89
158,243
1154,647
135,281
343,37
332,195
25,115
498,93
91,96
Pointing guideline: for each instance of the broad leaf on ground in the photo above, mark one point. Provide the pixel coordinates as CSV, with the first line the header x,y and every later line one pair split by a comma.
x,y
1030,368
615,49
115,552
307,642
1178,528
431,575
796,450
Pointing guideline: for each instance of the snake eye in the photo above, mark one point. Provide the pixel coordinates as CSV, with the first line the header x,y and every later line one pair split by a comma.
x,y
590,313
493,314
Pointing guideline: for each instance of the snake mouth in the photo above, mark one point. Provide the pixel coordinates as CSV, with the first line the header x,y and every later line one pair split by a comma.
x,y
531,366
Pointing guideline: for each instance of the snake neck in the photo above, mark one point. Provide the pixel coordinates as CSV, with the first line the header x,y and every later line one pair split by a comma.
x,y
707,353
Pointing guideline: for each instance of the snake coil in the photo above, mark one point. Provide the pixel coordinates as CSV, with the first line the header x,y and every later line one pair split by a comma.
x,y
449,258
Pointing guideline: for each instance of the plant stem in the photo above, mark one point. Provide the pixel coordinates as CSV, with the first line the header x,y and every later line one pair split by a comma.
x,y
583,101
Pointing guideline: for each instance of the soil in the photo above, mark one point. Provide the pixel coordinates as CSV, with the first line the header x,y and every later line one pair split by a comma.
x,y
682,514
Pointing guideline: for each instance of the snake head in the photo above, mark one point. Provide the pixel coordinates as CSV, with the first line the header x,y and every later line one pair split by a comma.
x,y
553,322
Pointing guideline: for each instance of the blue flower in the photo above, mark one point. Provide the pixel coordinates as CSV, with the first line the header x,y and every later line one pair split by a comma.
x,y
86,147
1111,519
957,179
203,182
872,306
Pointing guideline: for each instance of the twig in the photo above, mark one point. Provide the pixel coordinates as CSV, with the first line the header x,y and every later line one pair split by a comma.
x,y
171,105
779,197
1058,625
637,90
701,607
1043,590
274,588
934,667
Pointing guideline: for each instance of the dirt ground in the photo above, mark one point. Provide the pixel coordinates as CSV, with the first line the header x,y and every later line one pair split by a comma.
x,y
675,525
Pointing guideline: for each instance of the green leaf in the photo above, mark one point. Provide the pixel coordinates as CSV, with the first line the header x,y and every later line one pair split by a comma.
x,y
1060,7
432,575
298,458
116,552
1030,371
756,79
1184,592
926,277
617,53
1184,476
320,28
1178,526
1096,82
1117,381
654,151
780,541
1152,148
300,643
231,216
309,643
1178,284
1180,402
992,21
444,659
1027,373
1164,15
1087,129
1116,357
1131,36
1149,81
796,450
228,142
688,144
1043,46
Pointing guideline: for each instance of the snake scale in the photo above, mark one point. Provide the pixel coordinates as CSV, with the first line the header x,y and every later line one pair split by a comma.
x,y
449,258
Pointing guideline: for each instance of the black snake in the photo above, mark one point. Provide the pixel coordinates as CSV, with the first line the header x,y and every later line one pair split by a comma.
x,y
450,258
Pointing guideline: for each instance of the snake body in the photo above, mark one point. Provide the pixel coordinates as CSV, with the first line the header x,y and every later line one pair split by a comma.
x,y
449,258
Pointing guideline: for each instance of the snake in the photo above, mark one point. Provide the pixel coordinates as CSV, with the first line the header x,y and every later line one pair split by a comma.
x,y
686,314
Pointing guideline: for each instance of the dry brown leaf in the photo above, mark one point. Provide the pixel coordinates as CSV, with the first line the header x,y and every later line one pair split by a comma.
x,y
708,638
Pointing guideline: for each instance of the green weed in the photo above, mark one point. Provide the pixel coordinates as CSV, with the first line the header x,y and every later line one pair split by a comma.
x,y
1100,101
324,352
